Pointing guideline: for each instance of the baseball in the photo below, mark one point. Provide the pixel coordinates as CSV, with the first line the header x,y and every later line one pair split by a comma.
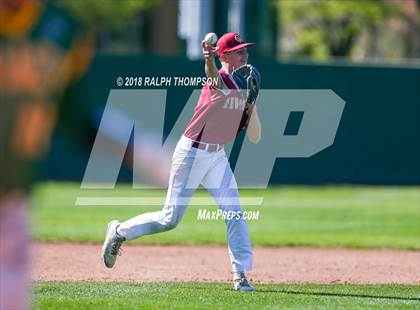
x,y
211,37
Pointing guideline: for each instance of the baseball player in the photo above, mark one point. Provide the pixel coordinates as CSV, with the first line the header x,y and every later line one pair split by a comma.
x,y
199,157
40,54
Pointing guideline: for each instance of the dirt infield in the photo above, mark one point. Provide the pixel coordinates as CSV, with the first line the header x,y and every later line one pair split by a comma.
x,y
141,263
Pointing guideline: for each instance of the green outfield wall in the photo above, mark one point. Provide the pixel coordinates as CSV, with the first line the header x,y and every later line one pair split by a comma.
x,y
377,142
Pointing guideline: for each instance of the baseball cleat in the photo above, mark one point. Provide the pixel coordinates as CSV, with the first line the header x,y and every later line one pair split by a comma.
x,y
242,284
112,244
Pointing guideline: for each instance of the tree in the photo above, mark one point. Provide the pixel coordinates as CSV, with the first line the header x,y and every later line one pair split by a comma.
x,y
324,28
116,23
113,13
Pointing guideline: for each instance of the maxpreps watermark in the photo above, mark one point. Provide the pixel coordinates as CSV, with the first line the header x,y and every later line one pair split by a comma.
x,y
136,118
208,215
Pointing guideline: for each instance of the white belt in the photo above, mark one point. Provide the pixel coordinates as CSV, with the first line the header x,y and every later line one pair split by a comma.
x,y
208,147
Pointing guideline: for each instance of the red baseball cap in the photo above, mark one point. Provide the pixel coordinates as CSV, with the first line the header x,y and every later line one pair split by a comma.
x,y
230,42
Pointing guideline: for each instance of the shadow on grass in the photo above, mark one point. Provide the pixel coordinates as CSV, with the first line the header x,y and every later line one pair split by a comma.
x,y
336,294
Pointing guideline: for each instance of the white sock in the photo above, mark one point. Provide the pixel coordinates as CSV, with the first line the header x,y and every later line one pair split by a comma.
x,y
119,233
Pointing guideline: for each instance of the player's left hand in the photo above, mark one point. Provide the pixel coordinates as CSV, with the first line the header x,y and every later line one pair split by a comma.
x,y
248,77
253,82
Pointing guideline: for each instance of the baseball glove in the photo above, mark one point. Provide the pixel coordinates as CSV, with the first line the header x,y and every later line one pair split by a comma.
x,y
248,77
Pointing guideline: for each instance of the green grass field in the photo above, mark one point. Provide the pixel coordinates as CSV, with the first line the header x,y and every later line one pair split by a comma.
x,y
59,295
335,216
